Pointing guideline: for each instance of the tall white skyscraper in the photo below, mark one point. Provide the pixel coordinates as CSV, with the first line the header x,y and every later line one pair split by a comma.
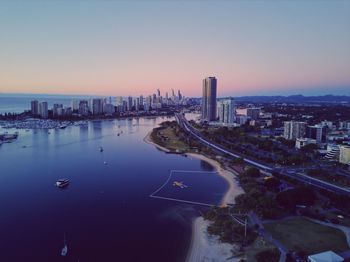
x,y
227,110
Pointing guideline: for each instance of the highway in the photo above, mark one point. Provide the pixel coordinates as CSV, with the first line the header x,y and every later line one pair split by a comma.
x,y
288,172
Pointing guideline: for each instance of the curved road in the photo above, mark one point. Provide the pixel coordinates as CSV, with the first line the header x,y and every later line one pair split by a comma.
x,y
182,121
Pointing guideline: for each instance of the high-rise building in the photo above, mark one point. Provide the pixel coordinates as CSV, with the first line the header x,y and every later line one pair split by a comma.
x,y
119,101
294,129
148,103
344,154
209,99
75,105
227,111
179,95
141,100
34,107
84,107
158,92
57,109
97,106
316,132
43,110
129,103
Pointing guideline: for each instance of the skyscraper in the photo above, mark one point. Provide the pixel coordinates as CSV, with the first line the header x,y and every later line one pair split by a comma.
x,y
209,99
129,103
43,110
84,107
97,106
294,129
34,106
227,110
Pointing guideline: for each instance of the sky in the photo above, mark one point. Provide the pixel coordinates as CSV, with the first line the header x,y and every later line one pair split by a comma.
x,y
135,47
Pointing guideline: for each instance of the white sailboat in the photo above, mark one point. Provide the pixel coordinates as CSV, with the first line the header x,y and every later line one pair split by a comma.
x,y
64,250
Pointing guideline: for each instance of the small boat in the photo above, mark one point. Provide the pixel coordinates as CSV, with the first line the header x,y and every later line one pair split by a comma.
x,y
101,149
63,182
105,162
64,250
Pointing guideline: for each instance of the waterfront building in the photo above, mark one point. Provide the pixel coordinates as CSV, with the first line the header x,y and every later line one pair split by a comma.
x,y
34,107
344,154
119,101
209,99
227,111
148,103
129,103
57,109
75,105
141,100
97,106
294,129
83,107
43,110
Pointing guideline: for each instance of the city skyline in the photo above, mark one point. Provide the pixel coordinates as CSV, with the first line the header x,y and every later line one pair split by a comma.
x,y
120,48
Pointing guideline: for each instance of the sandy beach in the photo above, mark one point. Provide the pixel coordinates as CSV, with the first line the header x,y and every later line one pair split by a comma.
x,y
205,247
234,189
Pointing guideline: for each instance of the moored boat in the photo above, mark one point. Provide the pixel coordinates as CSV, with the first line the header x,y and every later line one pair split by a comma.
x,y
63,182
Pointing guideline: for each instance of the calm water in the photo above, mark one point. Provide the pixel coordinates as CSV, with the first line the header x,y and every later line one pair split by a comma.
x,y
17,103
106,212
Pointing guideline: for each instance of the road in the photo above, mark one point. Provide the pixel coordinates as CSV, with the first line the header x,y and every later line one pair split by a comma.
x,y
288,172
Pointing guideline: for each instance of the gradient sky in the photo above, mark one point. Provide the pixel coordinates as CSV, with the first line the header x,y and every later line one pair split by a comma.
x,y
135,47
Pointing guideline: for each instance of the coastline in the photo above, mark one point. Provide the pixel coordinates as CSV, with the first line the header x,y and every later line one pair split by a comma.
x,y
204,246
233,190
147,139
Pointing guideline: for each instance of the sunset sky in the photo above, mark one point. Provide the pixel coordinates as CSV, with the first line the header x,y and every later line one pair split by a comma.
x,y
134,47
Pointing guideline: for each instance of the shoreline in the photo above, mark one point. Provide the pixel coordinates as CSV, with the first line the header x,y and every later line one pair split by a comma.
x,y
148,140
204,246
233,188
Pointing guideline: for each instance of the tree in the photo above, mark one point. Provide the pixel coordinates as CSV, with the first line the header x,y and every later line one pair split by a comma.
x,y
253,172
272,183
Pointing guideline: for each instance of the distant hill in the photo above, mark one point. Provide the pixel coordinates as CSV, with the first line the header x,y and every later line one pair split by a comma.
x,y
294,99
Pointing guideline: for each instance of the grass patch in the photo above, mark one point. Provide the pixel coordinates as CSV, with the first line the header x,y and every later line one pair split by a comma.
x,y
166,136
303,235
